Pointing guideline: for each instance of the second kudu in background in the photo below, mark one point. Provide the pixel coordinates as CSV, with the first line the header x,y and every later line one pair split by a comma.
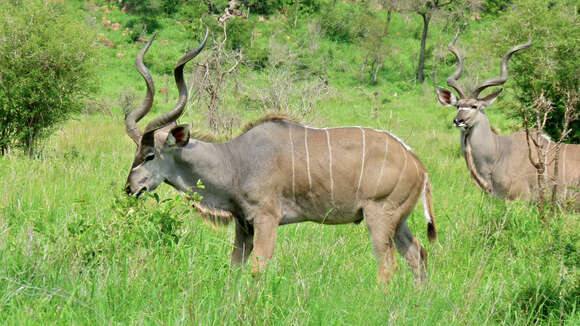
x,y
500,165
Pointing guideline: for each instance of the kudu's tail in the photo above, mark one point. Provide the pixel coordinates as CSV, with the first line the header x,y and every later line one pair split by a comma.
x,y
428,209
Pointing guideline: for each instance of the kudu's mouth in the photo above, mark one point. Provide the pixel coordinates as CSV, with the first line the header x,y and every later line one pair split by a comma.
x,y
461,124
138,193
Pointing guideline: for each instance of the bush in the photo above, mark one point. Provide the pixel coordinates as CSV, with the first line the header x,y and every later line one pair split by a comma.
x,y
495,7
239,33
149,222
170,6
257,57
139,26
47,66
216,6
552,61
142,7
263,6
191,11
338,22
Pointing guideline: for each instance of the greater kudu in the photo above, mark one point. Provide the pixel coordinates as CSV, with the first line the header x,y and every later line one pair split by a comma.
x,y
500,165
280,172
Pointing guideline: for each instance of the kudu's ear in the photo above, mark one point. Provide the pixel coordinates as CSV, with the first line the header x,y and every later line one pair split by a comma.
x,y
148,139
178,136
445,96
488,100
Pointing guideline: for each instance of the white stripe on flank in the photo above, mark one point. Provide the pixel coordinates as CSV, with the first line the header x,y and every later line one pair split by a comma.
x,y
564,172
416,167
377,130
307,158
382,165
293,174
424,199
362,164
330,166
402,170
400,141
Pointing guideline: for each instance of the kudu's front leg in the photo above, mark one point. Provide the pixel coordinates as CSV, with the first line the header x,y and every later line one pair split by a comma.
x,y
243,243
266,228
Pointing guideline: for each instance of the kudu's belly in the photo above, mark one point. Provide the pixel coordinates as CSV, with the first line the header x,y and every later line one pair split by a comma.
x,y
325,214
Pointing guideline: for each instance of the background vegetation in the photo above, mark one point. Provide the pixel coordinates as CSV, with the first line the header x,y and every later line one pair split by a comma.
x,y
47,63
75,250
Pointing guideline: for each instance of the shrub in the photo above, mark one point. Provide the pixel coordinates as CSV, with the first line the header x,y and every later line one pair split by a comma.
x,y
216,6
142,7
193,10
239,33
149,222
257,57
263,6
170,6
552,61
495,7
47,66
338,24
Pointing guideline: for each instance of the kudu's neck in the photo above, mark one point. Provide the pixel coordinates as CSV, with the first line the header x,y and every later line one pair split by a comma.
x,y
479,146
482,139
209,162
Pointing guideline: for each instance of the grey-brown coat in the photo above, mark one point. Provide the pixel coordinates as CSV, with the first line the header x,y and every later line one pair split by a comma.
x,y
280,172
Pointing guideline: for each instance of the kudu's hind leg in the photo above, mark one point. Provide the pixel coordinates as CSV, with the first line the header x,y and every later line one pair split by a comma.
x,y
382,232
410,248
243,243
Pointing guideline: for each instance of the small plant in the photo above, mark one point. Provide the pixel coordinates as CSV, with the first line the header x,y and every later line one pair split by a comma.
x,y
146,222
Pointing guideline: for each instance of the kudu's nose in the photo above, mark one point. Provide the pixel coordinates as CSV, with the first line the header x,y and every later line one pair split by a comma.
x,y
128,190
458,121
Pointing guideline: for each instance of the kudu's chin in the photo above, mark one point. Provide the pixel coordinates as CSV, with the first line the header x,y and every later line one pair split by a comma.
x,y
137,193
462,126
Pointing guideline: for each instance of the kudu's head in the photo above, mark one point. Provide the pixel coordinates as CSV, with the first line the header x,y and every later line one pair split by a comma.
x,y
162,138
470,108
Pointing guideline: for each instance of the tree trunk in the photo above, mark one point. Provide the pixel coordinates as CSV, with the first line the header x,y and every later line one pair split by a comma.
x,y
377,68
426,19
363,68
388,21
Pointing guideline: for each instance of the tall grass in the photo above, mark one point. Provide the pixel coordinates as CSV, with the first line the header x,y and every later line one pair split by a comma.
x,y
75,250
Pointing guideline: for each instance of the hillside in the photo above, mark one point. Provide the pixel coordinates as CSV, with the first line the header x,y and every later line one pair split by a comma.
x,y
75,250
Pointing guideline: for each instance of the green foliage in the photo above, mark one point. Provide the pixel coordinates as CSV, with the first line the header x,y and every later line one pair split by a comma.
x,y
495,7
263,6
193,10
256,57
170,6
151,222
75,250
552,61
239,33
545,300
47,67
216,6
140,25
374,30
268,7
142,7
338,22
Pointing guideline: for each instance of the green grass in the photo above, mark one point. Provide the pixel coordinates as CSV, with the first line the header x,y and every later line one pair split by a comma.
x,y
75,250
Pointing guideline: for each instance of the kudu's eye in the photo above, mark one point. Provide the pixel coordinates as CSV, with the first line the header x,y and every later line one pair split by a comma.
x,y
149,157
